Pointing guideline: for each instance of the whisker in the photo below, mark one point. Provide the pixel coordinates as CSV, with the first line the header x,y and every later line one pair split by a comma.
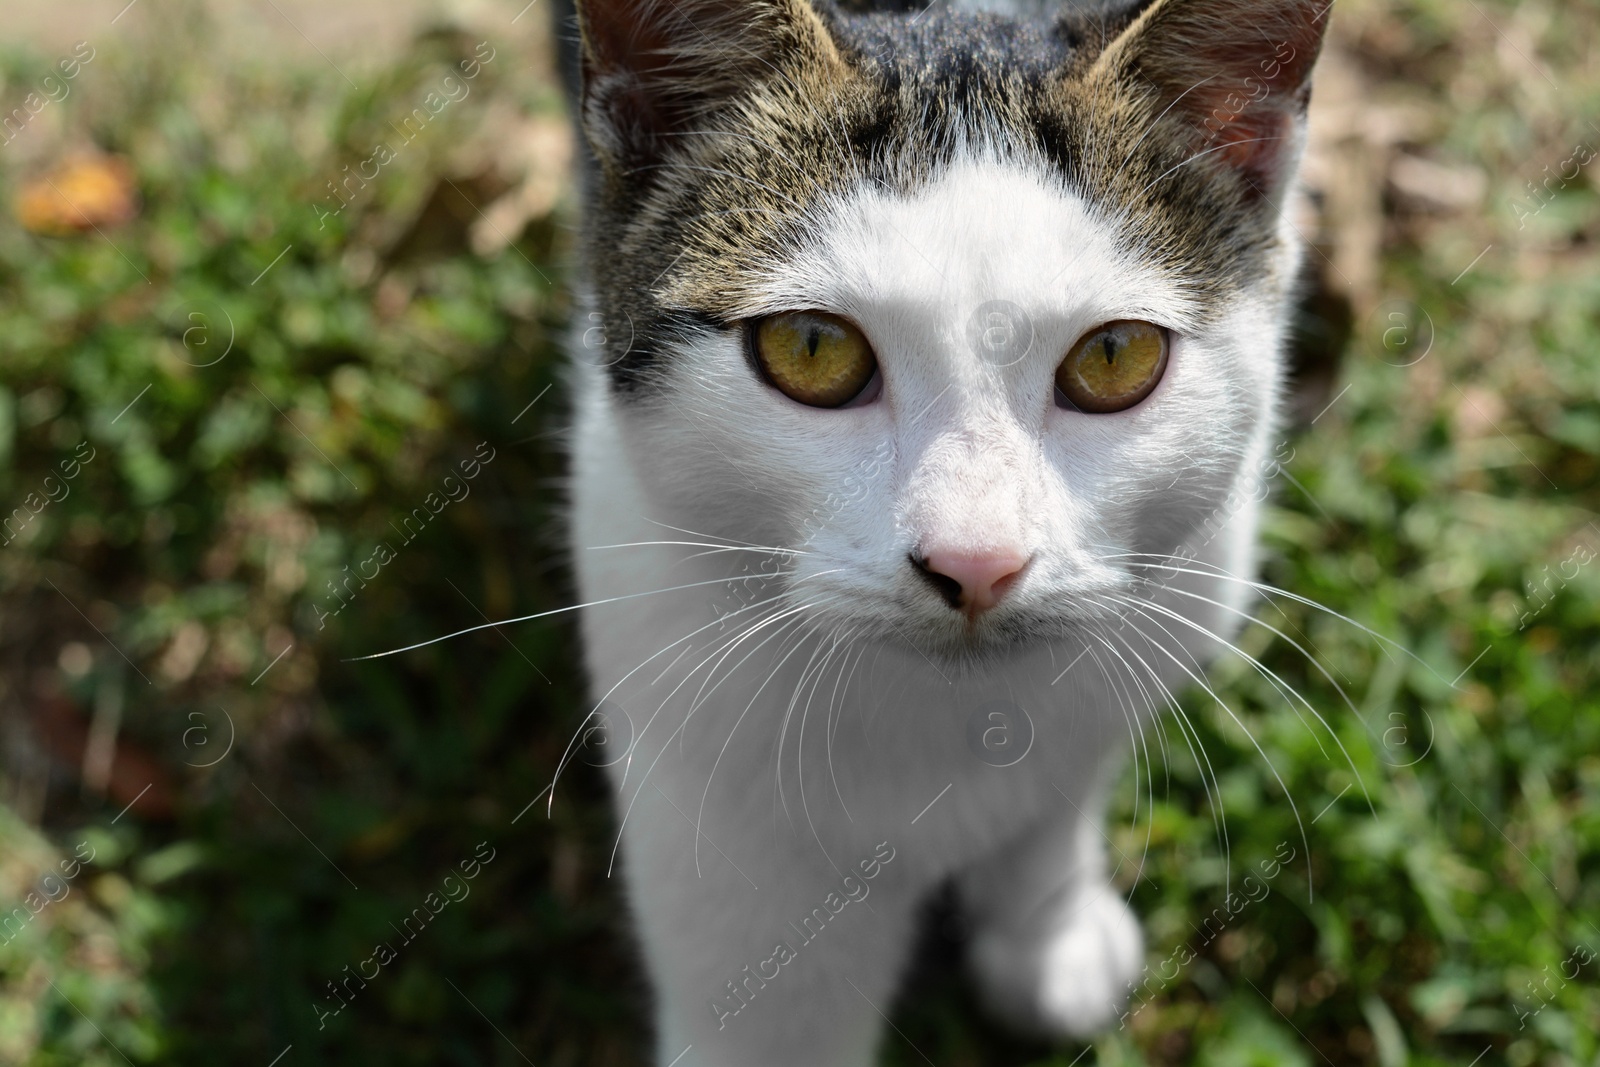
x,y
711,776
1197,749
781,611
800,746
1137,743
775,606
721,620
1283,688
1207,152
1264,587
1277,682
1200,680
1269,589
768,549
704,693
547,614
657,679
783,730
1156,121
627,813
834,648
1191,738
700,533
835,714
1202,759
568,753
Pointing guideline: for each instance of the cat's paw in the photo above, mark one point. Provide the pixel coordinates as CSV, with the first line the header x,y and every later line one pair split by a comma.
x,y
1072,976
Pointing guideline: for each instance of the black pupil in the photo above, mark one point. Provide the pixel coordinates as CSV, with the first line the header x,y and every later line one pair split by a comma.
x,y
813,338
1109,343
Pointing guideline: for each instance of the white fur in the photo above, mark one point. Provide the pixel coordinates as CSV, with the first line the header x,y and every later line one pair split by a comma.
x,y
770,760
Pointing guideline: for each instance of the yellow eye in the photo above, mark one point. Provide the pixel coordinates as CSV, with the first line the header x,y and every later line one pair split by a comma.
x,y
813,357
1114,366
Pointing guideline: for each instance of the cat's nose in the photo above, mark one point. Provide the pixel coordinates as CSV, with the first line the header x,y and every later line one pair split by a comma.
x,y
972,582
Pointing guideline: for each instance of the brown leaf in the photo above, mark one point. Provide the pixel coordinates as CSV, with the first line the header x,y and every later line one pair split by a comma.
x,y
79,194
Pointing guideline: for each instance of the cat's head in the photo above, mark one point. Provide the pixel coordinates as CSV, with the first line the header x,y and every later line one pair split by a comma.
x,y
965,309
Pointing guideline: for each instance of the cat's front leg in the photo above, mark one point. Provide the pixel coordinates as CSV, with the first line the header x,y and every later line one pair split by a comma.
x,y
1054,946
768,956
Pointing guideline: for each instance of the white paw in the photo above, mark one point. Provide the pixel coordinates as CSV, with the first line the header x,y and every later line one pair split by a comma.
x,y
1072,976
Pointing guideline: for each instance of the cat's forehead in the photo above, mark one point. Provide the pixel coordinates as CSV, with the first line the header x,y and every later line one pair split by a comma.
x,y
986,239
899,110
953,52
914,100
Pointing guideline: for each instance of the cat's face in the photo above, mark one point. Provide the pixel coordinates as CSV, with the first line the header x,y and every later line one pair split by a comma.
x,y
963,328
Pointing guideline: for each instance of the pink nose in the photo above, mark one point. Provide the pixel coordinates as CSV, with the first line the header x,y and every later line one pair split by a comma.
x,y
974,581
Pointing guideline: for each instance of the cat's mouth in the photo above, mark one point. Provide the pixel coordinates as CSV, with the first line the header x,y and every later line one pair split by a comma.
x,y
963,639
966,610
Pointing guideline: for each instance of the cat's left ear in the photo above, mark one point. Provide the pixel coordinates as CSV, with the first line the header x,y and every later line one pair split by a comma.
x,y
1235,74
654,70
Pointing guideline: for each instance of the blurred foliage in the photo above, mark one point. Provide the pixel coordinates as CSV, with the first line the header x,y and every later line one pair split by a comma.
x,y
270,391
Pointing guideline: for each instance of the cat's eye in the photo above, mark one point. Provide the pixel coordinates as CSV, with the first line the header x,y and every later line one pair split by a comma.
x,y
1114,366
814,358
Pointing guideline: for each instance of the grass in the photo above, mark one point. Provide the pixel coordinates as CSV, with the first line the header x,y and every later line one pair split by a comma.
x,y
1442,899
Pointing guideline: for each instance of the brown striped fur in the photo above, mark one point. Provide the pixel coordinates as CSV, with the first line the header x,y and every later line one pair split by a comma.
x,y
719,127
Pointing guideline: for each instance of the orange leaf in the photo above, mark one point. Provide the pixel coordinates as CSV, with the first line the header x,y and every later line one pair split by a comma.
x,y
80,194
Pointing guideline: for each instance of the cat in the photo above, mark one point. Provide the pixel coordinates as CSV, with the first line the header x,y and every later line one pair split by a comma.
x,y
920,357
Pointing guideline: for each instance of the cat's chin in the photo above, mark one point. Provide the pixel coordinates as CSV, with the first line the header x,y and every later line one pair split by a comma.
x,y
986,645
953,641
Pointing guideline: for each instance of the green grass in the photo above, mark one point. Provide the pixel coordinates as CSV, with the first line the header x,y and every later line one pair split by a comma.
x,y
1447,868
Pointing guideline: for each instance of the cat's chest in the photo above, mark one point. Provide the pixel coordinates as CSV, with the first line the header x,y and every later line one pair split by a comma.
x,y
805,740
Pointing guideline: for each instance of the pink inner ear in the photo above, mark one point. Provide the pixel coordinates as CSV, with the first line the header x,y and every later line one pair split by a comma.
x,y
630,54
651,66
675,39
627,35
1237,71
1253,143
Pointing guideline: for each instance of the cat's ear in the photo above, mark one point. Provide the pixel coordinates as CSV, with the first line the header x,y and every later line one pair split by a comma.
x,y
652,69
1236,73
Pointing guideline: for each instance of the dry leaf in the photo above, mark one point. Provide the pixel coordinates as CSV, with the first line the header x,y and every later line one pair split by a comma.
x,y
80,194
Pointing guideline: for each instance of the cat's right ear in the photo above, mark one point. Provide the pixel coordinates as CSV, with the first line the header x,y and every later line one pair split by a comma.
x,y
654,69
1233,76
